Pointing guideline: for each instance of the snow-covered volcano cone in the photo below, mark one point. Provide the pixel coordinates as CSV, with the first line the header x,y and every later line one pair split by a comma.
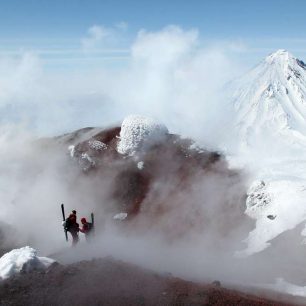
x,y
270,101
138,133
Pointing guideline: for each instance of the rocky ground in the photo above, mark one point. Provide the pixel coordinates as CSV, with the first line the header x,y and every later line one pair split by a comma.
x,y
110,282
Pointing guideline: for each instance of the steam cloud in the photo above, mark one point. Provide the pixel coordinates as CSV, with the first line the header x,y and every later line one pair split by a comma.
x,y
168,76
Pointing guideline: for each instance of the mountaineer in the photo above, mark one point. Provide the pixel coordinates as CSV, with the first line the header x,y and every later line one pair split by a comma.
x,y
72,226
87,228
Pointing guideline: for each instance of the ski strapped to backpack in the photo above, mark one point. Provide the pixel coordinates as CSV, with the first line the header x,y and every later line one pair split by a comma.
x,y
92,226
92,219
64,220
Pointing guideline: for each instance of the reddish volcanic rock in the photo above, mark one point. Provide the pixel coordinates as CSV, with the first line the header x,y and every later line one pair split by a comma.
x,y
173,153
156,181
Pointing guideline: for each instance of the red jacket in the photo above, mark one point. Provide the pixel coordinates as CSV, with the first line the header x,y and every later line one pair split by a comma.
x,y
85,228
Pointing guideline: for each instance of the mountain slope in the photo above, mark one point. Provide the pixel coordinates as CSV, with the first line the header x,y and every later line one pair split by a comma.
x,y
270,107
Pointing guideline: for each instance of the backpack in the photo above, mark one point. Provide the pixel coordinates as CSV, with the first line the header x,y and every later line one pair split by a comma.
x,y
67,224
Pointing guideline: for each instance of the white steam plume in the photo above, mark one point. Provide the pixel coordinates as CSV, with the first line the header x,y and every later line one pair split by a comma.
x,y
169,76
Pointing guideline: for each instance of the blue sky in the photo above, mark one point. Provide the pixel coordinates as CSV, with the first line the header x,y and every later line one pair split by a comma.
x,y
216,18
261,26
73,63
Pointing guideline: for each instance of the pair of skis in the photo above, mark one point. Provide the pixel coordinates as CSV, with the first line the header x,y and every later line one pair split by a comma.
x,y
64,219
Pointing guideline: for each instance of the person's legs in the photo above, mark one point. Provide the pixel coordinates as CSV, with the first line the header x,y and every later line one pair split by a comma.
x,y
75,238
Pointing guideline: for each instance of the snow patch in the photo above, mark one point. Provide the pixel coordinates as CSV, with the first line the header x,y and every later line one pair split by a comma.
x,y
196,147
140,165
22,260
121,216
138,132
71,150
285,287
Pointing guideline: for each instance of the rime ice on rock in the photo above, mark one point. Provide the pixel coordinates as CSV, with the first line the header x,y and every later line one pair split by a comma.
x,y
22,260
97,145
137,132
85,159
